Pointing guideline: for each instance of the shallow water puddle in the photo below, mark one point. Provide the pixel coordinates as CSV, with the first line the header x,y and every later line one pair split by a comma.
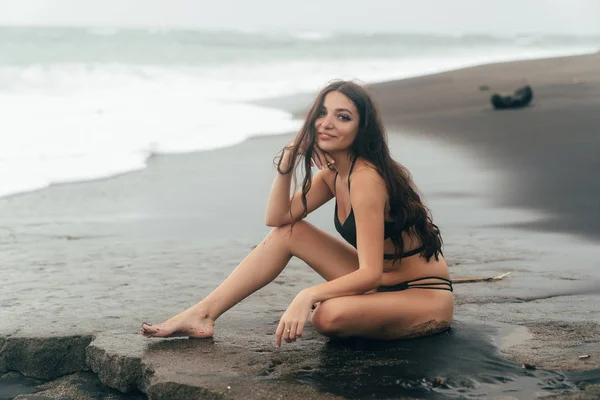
x,y
460,363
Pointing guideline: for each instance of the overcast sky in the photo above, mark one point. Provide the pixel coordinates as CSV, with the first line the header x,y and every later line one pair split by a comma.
x,y
440,16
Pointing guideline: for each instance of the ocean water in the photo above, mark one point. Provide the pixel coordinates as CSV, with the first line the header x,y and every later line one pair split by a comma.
x,y
79,104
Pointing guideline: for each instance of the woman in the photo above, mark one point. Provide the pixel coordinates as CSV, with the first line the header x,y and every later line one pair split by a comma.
x,y
392,245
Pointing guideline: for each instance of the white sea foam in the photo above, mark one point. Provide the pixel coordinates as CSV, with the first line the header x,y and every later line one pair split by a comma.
x,y
64,121
312,35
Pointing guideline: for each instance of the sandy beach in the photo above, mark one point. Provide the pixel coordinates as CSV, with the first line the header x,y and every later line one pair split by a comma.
x,y
84,264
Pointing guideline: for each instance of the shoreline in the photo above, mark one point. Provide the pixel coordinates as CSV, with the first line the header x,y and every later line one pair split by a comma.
x,y
294,102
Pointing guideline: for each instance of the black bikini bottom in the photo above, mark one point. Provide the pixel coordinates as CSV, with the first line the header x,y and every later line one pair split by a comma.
x,y
414,284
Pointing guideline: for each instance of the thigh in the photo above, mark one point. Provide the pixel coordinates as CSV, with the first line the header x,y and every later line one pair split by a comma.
x,y
329,256
390,315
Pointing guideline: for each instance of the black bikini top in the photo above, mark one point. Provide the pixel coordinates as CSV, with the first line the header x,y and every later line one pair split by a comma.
x,y
348,228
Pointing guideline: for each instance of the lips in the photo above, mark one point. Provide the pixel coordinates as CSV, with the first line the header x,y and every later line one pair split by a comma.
x,y
325,134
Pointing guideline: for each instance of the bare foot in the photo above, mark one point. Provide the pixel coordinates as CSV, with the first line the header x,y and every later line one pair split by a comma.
x,y
187,324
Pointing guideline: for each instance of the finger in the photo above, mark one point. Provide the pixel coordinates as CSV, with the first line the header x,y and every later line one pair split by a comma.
x,y
318,158
325,156
323,160
286,333
278,334
329,161
315,161
299,329
292,333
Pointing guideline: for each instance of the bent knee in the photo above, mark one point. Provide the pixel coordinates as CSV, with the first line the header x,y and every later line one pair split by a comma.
x,y
287,231
326,319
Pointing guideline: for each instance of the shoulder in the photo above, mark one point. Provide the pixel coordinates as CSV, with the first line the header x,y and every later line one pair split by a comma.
x,y
365,175
366,182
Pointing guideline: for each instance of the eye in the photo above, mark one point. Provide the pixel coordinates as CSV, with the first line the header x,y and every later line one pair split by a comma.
x,y
321,113
344,117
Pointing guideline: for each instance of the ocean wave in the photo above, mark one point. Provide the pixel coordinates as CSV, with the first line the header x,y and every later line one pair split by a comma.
x,y
83,104
209,47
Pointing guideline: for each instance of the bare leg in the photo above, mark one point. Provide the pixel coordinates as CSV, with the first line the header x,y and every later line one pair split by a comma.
x,y
328,256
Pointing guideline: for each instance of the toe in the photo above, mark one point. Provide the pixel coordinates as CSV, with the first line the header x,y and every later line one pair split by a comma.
x,y
145,332
151,330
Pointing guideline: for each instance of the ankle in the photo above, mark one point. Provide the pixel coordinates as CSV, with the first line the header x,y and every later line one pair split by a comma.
x,y
201,313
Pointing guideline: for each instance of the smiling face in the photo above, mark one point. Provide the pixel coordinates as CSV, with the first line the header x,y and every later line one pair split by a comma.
x,y
337,123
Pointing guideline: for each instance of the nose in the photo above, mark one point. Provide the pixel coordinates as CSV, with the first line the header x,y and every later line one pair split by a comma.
x,y
326,122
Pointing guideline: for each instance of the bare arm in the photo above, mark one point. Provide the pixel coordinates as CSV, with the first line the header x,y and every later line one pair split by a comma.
x,y
280,203
368,198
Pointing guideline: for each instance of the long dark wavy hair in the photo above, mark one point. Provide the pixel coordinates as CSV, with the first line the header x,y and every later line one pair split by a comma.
x,y
407,211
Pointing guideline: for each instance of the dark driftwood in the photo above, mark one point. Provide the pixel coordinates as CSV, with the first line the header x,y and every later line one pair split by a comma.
x,y
484,279
521,98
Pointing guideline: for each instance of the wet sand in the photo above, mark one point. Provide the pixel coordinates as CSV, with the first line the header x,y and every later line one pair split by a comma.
x,y
549,150
103,256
